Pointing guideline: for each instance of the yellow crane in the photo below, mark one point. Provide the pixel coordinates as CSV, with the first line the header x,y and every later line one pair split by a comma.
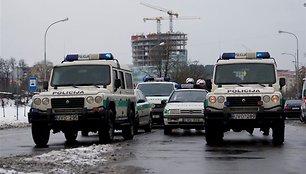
x,y
169,12
158,21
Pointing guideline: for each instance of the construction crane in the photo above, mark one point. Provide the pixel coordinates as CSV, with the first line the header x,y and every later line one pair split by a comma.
x,y
169,12
158,20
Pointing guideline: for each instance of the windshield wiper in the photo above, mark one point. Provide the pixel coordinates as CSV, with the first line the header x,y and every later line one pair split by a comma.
x,y
261,84
239,84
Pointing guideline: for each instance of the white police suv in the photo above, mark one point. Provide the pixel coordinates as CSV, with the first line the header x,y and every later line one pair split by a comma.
x,y
245,95
85,93
185,109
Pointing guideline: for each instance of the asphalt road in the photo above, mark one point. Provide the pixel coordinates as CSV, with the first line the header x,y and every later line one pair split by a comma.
x,y
186,151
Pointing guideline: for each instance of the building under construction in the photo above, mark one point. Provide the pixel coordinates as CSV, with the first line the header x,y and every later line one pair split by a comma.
x,y
156,48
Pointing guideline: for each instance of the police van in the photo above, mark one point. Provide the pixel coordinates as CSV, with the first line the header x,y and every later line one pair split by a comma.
x,y
245,95
156,90
88,93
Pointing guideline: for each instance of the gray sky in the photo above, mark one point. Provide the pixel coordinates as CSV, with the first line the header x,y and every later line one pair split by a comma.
x,y
96,26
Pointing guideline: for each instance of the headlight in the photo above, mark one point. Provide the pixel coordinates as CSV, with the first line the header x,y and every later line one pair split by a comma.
x,y
45,101
37,101
98,99
174,111
212,99
266,98
220,99
90,99
166,111
275,98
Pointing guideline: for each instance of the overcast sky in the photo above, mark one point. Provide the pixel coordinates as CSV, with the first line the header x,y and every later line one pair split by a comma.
x,y
106,26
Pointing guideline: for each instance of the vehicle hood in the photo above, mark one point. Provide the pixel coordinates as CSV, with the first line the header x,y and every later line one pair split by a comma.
x,y
189,105
157,100
74,92
244,90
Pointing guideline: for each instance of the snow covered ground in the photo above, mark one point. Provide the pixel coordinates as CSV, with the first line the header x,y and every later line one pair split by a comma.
x,y
11,117
74,160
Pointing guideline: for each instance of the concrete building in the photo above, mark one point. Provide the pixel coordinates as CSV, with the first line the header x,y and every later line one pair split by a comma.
x,y
156,48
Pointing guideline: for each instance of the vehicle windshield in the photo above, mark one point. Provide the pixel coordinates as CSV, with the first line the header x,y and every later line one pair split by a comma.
x,y
78,75
188,96
246,73
156,89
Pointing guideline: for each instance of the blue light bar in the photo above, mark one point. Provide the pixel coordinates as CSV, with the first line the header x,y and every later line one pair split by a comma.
x,y
263,55
184,86
78,57
250,55
228,56
157,79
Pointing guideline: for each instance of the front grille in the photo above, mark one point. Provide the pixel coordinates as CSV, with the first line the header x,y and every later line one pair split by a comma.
x,y
243,101
191,111
68,111
67,102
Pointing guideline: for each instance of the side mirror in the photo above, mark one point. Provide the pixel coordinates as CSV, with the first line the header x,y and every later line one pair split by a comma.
x,y
141,101
282,82
164,102
117,83
45,85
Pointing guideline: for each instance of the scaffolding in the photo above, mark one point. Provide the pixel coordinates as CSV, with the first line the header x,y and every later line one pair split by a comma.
x,y
147,49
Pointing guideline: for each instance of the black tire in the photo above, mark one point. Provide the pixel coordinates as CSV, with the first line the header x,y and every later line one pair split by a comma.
x,y
136,126
40,134
213,133
71,136
106,132
148,127
167,130
278,133
128,131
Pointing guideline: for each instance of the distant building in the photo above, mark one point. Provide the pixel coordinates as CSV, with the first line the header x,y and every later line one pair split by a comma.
x,y
147,49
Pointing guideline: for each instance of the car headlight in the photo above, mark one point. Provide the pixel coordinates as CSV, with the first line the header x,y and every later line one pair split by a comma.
x,y
45,101
212,99
90,99
266,98
220,99
174,111
37,101
98,99
166,111
275,98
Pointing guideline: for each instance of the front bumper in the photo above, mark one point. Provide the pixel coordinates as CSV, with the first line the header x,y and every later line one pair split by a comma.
x,y
184,121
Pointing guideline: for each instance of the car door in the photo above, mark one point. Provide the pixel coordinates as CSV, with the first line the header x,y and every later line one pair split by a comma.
x,y
144,108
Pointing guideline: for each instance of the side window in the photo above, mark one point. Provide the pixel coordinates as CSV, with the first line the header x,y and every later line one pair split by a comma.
x,y
129,83
115,76
121,77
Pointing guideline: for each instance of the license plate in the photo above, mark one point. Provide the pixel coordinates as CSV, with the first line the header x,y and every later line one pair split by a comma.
x,y
192,120
296,108
244,116
66,117
155,116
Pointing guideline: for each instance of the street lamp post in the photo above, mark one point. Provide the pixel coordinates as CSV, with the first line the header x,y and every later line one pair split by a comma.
x,y
45,46
297,55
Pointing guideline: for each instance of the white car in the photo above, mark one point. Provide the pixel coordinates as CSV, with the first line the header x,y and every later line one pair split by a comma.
x,y
185,109
143,116
156,91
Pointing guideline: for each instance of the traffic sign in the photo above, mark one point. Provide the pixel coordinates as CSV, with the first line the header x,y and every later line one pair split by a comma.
x,y
32,83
